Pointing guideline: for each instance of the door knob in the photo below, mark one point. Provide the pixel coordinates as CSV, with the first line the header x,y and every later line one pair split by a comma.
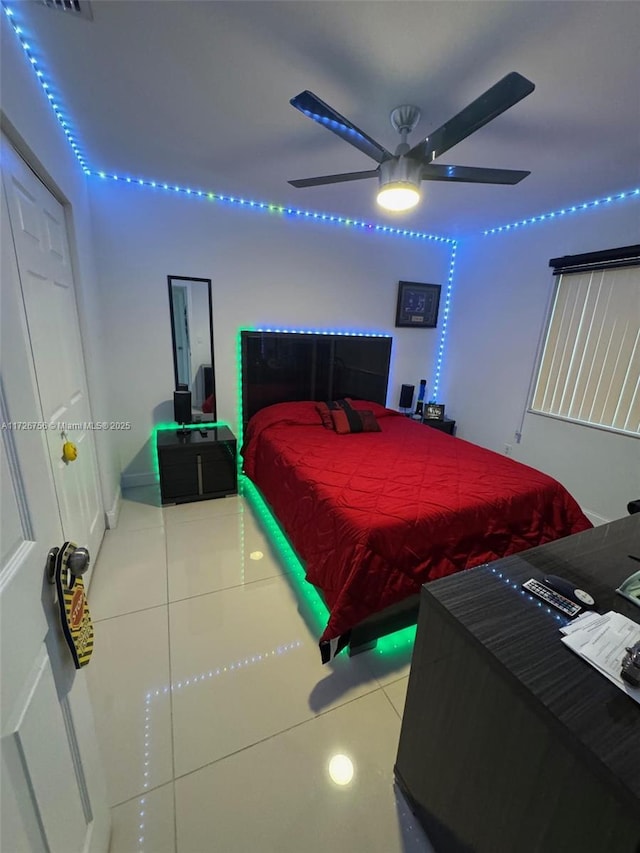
x,y
78,562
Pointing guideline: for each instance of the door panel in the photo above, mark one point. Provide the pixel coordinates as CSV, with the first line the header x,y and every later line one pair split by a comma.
x,y
53,791
42,748
42,250
11,528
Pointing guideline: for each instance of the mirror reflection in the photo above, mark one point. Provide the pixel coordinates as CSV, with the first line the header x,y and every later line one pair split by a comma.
x,y
191,310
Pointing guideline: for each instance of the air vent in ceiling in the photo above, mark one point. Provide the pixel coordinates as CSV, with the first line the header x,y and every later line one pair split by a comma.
x,y
77,8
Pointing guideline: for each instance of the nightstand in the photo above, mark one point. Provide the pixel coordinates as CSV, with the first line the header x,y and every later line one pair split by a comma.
x,y
447,425
195,467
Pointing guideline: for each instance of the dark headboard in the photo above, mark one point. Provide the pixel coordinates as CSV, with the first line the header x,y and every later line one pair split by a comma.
x,y
280,367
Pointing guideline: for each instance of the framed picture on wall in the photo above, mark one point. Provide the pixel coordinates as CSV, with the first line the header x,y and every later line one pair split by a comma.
x,y
417,305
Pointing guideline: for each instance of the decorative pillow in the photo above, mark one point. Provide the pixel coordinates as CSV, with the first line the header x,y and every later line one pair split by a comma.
x,y
325,415
346,419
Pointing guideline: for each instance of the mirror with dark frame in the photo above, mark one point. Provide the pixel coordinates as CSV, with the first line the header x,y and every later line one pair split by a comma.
x,y
191,311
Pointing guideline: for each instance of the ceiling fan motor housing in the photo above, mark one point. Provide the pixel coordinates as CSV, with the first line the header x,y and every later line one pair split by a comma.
x,y
402,170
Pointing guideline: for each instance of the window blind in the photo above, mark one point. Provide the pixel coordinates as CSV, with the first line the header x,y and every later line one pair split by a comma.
x,y
589,370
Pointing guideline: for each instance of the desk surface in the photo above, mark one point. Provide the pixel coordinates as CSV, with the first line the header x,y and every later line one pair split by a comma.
x,y
594,716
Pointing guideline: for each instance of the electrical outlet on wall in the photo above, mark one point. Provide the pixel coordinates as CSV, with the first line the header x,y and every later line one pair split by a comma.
x,y
507,449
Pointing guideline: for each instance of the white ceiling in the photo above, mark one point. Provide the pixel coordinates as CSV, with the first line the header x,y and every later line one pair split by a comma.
x,y
197,93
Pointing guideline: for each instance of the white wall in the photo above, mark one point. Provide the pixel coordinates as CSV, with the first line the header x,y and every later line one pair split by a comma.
x,y
266,270
502,288
32,126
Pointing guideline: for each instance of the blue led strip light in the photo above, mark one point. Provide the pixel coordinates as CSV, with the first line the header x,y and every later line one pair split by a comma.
x,y
516,587
53,100
565,211
177,685
445,320
343,332
202,194
272,208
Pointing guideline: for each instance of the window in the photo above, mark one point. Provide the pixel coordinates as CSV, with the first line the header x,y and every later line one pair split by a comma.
x,y
589,370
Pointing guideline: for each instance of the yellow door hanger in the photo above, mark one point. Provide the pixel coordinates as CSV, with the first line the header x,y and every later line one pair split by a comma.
x,y
75,617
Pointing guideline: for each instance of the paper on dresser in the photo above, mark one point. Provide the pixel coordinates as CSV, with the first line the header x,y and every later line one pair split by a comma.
x,y
603,642
589,619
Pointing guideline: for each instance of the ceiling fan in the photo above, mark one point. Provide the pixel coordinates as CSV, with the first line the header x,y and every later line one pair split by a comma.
x,y
400,174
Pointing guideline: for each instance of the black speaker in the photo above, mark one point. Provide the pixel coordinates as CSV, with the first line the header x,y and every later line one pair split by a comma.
x,y
182,407
406,397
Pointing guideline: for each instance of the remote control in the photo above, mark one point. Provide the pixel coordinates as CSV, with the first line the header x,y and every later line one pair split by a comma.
x,y
554,599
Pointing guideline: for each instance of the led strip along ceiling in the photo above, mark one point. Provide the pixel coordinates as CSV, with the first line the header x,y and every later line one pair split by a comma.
x,y
274,208
202,194
557,214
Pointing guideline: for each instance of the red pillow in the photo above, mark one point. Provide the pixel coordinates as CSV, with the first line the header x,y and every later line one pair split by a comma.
x,y
345,419
325,415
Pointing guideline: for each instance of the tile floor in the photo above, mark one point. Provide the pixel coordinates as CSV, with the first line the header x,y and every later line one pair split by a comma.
x,y
216,720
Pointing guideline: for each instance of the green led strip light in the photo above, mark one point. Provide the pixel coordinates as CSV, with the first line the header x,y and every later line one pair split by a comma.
x,y
316,613
240,418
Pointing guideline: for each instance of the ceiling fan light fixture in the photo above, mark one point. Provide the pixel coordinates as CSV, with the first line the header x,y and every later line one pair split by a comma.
x,y
398,196
399,184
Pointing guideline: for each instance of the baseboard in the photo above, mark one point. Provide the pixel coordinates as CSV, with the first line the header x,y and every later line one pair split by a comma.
x,y
594,518
130,481
111,515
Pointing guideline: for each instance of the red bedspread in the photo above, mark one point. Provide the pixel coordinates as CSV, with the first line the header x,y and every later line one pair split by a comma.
x,y
375,515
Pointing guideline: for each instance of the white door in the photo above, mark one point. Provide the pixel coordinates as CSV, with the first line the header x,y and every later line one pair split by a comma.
x,y
53,795
39,234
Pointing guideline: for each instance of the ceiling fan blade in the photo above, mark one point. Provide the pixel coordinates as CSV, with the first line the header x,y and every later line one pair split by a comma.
x,y
334,179
314,108
506,92
471,174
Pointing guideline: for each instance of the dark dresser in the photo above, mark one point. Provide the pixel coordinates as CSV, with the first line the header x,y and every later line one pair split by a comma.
x,y
197,465
510,742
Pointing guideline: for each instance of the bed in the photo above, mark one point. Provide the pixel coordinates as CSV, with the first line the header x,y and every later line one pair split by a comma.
x,y
374,515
